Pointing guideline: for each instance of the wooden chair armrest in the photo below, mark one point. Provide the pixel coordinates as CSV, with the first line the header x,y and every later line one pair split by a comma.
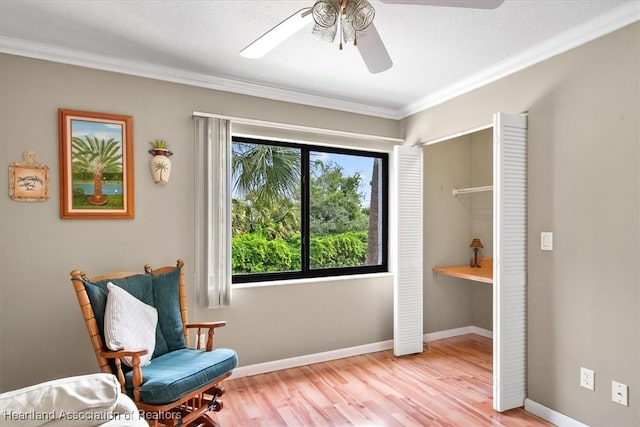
x,y
137,372
206,324
210,326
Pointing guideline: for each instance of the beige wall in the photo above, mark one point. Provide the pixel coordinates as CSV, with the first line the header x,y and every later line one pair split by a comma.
x,y
43,335
584,185
482,222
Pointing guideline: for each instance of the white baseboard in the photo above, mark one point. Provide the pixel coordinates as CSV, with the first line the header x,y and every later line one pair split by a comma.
x,y
550,415
434,336
293,362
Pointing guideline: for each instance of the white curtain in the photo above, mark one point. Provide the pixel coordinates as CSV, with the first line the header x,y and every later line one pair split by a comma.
x,y
213,210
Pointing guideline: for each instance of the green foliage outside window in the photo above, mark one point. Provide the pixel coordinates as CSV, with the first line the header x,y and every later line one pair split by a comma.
x,y
254,253
338,250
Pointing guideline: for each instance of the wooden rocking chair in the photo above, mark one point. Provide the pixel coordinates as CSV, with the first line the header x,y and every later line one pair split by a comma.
x,y
180,385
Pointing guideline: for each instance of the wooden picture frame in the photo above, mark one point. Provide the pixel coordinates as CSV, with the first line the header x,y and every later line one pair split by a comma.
x,y
28,180
96,165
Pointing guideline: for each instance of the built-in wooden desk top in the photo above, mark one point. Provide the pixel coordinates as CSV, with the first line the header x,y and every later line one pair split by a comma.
x,y
483,274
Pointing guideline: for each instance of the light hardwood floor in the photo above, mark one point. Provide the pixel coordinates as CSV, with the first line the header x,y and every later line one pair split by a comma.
x,y
450,385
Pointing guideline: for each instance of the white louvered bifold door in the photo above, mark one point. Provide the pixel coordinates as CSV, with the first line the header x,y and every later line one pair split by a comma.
x,y
510,260
407,197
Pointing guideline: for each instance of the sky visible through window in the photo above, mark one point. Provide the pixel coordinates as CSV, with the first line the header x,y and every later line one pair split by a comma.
x,y
351,166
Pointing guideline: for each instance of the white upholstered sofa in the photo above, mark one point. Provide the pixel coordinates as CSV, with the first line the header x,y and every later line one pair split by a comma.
x,y
87,400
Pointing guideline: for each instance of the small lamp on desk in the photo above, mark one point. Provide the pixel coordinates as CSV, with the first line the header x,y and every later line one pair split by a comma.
x,y
476,244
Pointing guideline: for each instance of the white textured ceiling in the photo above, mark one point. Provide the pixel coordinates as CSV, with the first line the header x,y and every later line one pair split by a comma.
x,y
437,51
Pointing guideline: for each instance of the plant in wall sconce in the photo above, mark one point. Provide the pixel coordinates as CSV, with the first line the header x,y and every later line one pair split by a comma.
x,y
160,163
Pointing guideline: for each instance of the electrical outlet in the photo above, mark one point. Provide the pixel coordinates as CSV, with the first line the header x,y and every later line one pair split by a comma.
x,y
620,393
587,379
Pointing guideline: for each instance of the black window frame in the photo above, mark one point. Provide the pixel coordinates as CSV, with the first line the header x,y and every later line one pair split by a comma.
x,y
306,272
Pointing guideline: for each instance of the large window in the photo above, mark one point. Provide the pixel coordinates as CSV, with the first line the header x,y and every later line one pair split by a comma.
x,y
305,211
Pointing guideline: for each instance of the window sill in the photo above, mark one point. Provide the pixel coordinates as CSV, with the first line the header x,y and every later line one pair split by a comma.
x,y
311,280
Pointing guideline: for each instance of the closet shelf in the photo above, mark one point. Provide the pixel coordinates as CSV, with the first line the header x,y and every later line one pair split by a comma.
x,y
457,191
483,274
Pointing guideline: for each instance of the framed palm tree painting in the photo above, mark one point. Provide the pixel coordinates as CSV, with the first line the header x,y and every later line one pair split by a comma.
x,y
96,165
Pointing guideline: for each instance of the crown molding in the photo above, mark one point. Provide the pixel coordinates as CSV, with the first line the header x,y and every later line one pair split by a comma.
x,y
570,39
565,41
85,59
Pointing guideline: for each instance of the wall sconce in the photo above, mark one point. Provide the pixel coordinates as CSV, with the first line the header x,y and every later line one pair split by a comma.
x,y
160,163
476,244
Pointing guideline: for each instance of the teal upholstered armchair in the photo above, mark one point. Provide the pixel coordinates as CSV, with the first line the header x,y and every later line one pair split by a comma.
x,y
139,331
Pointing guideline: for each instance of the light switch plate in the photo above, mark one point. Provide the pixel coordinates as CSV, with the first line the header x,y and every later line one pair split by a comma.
x,y
546,241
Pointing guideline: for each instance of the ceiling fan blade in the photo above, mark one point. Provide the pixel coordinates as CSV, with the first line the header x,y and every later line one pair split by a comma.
x,y
373,52
473,4
278,34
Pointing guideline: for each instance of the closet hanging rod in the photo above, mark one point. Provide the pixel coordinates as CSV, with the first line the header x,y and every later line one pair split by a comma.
x,y
457,191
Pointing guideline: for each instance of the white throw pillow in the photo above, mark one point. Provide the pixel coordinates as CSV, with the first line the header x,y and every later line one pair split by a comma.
x,y
129,324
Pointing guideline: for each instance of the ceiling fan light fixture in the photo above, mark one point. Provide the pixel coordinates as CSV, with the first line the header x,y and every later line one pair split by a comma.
x,y
326,12
327,34
344,17
359,13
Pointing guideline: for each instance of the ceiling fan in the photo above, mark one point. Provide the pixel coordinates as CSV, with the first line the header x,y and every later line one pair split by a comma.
x,y
351,21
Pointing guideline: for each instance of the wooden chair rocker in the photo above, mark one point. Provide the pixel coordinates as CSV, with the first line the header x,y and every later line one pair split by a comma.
x,y
139,331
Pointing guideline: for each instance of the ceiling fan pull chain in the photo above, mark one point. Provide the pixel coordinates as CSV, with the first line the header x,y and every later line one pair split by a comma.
x,y
341,24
